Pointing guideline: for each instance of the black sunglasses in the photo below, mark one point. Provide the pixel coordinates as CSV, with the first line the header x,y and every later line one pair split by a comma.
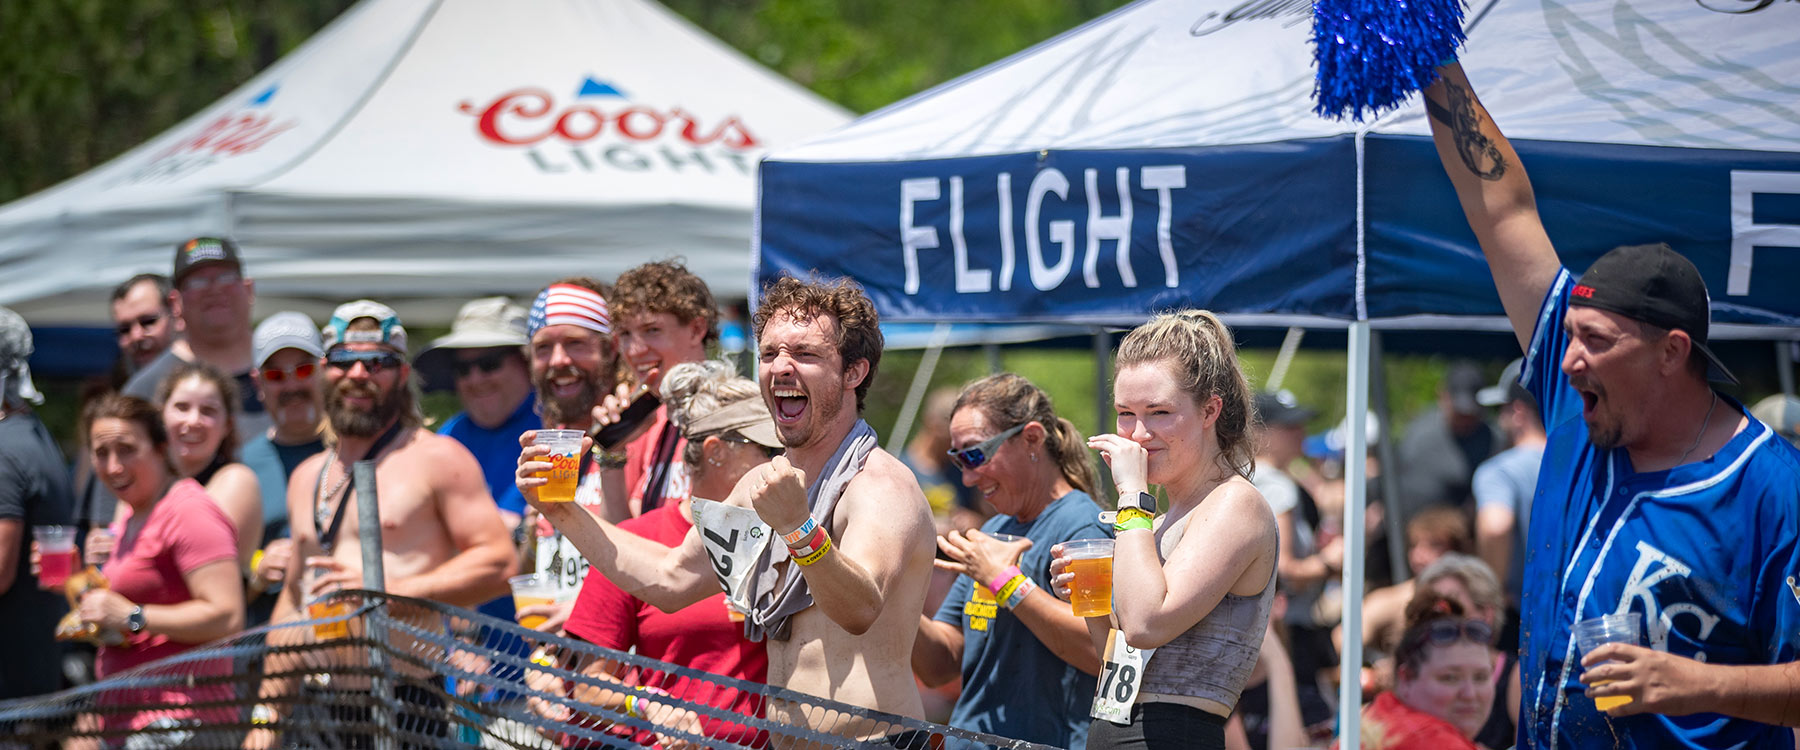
x,y
142,321
487,363
979,453
1446,632
375,361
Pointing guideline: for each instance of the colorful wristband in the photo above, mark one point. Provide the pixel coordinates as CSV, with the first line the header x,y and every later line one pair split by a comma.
x,y
1120,527
631,702
799,535
1006,576
818,553
810,546
1020,588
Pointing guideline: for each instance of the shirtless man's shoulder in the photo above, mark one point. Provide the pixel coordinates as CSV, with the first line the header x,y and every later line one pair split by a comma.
x,y
886,487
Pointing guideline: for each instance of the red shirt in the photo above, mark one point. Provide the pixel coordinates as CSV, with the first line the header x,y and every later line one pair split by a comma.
x,y
1406,728
184,531
640,454
700,636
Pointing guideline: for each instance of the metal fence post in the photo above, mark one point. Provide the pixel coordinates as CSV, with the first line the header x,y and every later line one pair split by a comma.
x,y
368,518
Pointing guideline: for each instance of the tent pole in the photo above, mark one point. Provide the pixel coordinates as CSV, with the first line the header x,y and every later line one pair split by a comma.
x,y
1784,366
1103,411
915,393
1356,451
991,350
1384,450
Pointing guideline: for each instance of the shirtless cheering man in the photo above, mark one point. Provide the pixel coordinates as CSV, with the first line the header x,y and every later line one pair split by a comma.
x,y
841,615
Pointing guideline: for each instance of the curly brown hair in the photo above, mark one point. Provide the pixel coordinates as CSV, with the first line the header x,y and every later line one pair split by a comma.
x,y
666,286
858,325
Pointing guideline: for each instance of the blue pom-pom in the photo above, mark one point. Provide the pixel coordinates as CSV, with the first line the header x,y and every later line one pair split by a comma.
x,y
1373,54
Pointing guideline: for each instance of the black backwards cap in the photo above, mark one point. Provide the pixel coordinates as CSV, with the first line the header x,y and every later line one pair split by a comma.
x,y
1653,284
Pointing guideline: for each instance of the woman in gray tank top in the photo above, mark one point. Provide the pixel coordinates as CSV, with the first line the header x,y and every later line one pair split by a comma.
x,y
1194,583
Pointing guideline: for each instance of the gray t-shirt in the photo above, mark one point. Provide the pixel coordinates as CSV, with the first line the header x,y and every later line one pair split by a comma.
x,y
1508,480
34,489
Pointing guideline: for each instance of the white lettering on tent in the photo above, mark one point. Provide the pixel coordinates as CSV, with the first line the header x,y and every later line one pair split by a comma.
x,y
1062,231
1101,227
1003,186
1163,180
968,280
1746,234
915,238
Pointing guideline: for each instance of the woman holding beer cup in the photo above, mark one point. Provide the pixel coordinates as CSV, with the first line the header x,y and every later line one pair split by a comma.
x,y
1194,583
1026,660
173,574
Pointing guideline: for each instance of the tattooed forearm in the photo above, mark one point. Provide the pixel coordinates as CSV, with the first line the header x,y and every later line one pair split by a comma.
x,y
1464,122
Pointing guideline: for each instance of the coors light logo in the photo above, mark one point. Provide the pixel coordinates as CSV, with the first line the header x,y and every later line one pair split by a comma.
x,y
237,132
600,129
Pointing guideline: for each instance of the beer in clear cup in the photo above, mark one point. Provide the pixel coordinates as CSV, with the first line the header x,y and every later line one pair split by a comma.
x,y
56,554
531,590
1594,632
1090,560
565,464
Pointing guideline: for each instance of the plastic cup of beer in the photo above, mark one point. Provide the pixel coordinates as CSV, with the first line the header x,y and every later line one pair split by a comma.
x,y
565,464
1595,632
324,607
1090,594
531,590
56,554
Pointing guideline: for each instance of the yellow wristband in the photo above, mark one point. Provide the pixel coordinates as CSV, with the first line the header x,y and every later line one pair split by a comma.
x,y
1131,511
256,563
817,554
1006,591
631,707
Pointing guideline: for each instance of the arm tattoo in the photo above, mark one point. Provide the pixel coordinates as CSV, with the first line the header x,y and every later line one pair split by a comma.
x,y
1464,122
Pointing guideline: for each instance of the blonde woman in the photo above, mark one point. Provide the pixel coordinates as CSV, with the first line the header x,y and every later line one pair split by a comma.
x,y
1195,582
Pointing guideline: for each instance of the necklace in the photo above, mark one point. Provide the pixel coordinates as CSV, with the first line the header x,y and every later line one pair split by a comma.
x,y
321,513
1703,422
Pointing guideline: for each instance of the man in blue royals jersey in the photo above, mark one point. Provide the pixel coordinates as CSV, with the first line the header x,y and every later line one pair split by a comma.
x,y
1658,497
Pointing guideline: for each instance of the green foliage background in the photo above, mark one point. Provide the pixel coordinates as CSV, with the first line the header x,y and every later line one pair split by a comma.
x,y
84,80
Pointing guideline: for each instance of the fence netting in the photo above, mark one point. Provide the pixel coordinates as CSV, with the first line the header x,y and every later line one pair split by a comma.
x,y
391,672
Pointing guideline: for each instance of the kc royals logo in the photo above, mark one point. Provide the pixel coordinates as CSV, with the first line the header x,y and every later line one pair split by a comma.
x,y
1652,568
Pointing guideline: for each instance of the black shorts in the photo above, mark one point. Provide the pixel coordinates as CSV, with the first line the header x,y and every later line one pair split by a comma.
x,y
1160,725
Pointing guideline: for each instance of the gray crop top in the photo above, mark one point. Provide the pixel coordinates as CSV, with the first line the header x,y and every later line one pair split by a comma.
x,y
1212,659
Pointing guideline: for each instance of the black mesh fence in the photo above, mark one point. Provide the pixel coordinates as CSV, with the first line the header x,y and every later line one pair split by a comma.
x,y
388,672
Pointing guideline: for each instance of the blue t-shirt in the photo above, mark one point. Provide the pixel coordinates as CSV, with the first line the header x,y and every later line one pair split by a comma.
x,y
273,464
1700,553
1013,685
497,450
1508,480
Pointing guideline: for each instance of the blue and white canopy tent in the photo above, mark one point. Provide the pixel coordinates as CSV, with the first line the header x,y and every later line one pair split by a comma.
x,y
1166,155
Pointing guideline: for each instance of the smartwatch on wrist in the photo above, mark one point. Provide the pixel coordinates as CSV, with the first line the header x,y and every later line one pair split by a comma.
x,y
1143,501
134,622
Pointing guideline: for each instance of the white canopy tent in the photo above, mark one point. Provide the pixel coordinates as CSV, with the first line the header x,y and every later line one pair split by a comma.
x,y
424,153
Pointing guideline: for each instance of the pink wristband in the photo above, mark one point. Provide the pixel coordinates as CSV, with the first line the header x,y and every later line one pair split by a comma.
x,y
1001,579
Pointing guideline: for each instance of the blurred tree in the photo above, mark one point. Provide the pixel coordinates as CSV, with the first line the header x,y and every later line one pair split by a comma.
x,y
82,81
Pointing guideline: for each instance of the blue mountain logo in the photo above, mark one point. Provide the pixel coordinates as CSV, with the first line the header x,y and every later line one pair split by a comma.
x,y
592,86
265,96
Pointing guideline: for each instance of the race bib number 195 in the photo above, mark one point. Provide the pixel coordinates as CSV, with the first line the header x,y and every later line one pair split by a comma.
x,y
1120,677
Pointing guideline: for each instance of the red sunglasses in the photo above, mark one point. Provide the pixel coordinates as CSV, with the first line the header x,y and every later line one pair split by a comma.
x,y
302,371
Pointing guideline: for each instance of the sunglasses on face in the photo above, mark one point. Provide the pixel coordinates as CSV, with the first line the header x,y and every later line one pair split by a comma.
x,y
979,453
487,363
733,437
199,283
374,361
1446,632
142,321
302,371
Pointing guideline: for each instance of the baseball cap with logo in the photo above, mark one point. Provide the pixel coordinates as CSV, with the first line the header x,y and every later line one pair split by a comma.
x,y
389,332
1281,409
1656,285
285,330
480,324
203,251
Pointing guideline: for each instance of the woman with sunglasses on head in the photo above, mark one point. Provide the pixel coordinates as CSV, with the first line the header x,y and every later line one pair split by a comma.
x,y
1444,679
1026,661
728,432
1194,583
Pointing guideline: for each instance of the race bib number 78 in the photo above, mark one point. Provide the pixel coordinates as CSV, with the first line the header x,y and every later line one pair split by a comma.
x,y
1121,675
